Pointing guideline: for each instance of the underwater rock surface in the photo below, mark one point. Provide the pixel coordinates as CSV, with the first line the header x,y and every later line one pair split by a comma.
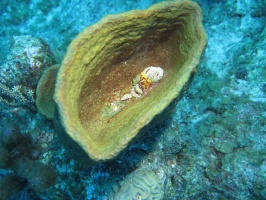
x,y
212,146
22,68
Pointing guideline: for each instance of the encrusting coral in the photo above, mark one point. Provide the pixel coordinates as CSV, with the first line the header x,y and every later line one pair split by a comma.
x,y
99,67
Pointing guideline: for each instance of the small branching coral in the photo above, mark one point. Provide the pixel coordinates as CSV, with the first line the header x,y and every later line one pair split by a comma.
x,y
16,97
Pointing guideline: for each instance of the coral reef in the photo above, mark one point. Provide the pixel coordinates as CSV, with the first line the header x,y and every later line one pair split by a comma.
x,y
20,154
211,146
21,70
16,97
25,63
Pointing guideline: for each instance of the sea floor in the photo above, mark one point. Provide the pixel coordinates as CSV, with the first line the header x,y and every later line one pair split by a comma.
x,y
213,145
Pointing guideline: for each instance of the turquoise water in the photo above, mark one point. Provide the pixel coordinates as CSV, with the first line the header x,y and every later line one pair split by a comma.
x,y
213,145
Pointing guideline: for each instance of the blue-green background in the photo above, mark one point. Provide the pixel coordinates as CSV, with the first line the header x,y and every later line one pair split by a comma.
x,y
213,145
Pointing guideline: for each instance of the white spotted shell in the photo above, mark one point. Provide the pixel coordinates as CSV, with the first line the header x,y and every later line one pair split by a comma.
x,y
153,73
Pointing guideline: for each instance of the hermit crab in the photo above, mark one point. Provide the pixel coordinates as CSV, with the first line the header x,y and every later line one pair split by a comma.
x,y
143,82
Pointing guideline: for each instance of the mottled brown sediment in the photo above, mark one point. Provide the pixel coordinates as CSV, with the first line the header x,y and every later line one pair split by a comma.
x,y
102,61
